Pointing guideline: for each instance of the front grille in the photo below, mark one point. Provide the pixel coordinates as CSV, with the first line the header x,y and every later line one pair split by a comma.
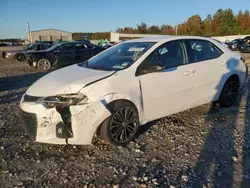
x,y
30,124
28,98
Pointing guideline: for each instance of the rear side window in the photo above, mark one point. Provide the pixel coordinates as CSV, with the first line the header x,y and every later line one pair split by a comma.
x,y
202,50
66,47
81,46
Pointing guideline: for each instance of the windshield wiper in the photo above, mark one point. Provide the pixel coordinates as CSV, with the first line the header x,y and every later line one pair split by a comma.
x,y
100,68
85,63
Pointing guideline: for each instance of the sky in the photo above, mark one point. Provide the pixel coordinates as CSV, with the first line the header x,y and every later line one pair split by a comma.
x,y
102,15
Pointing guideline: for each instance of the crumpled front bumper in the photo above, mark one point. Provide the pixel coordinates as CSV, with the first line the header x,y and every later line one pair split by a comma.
x,y
47,125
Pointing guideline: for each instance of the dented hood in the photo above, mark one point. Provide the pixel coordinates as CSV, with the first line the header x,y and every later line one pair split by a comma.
x,y
66,80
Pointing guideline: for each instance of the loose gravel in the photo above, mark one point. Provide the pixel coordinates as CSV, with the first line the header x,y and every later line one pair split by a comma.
x,y
206,146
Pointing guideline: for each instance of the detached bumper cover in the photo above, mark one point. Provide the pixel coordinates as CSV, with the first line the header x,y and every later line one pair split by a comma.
x,y
42,126
6,55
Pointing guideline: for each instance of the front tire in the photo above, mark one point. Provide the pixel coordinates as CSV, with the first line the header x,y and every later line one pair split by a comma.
x,y
229,92
44,64
121,127
20,57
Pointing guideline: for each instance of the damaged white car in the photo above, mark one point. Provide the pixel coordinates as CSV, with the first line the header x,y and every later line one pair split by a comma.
x,y
128,85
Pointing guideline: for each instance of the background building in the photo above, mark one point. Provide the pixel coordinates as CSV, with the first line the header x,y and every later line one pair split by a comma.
x,y
49,35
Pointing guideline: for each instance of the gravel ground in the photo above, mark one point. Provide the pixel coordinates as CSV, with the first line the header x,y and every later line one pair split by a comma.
x,y
202,147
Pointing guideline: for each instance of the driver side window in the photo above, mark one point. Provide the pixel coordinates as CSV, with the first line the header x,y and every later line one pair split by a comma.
x,y
169,55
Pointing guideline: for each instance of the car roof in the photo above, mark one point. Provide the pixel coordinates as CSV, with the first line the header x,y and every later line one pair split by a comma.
x,y
167,38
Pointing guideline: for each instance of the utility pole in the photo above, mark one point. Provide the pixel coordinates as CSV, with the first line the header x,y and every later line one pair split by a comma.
x,y
29,34
176,30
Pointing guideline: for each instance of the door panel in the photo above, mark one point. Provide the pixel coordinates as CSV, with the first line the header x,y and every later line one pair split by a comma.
x,y
168,91
65,55
210,76
83,52
86,54
210,67
172,89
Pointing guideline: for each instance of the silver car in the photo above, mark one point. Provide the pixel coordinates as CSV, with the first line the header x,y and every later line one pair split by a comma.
x,y
19,55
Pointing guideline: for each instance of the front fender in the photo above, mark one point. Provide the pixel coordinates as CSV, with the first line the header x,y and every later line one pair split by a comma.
x,y
135,99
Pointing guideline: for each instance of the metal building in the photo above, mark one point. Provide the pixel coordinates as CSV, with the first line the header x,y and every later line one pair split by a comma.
x,y
49,35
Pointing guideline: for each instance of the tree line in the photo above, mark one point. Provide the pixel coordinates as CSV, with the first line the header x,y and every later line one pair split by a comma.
x,y
223,22
11,40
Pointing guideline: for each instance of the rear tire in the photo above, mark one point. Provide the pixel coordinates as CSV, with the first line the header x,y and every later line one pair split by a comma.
x,y
20,57
229,92
44,64
121,127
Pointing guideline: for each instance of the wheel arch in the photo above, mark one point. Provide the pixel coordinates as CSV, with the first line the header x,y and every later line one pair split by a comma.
x,y
18,54
137,102
110,106
112,103
232,76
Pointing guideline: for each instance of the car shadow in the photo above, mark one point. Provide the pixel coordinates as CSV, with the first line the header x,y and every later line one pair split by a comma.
x,y
245,182
20,81
215,166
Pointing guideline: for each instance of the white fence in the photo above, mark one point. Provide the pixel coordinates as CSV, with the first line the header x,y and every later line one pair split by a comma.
x,y
116,36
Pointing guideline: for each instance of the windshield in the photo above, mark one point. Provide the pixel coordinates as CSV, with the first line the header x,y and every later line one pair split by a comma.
x,y
118,57
53,47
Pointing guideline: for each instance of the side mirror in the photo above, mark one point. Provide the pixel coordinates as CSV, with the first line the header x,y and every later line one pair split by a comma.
x,y
150,69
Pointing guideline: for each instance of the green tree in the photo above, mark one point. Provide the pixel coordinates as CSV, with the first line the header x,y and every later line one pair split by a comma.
x,y
207,24
142,28
229,23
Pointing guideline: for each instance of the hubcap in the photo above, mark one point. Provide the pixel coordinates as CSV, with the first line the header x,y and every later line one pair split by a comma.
x,y
230,92
123,124
20,57
44,64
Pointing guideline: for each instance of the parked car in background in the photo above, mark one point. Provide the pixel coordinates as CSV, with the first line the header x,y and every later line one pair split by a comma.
x,y
235,44
108,44
244,48
247,40
128,85
47,42
62,54
83,41
19,55
3,44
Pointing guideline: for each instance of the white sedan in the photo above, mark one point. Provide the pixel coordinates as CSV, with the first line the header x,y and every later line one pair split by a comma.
x,y
128,85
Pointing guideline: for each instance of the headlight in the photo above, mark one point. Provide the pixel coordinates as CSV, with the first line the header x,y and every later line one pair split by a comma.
x,y
7,53
62,100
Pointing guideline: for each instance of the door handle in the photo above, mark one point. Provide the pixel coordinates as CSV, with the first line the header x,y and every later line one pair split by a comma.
x,y
190,72
187,73
193,71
